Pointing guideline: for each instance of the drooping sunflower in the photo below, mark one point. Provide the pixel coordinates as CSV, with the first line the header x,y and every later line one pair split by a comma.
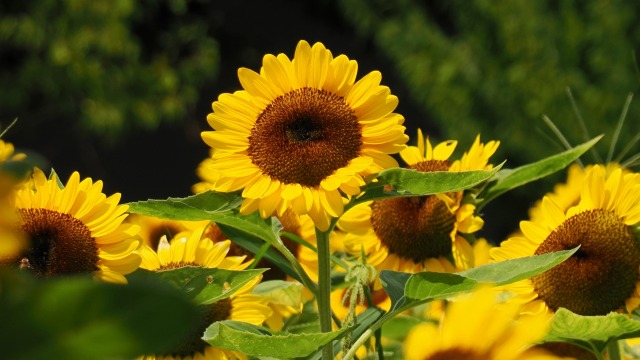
x,y
302,134
420,233
478,327
75,229
603,275
191,248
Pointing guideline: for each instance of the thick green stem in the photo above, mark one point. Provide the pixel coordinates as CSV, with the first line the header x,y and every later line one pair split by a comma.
x,y
613,350
324,288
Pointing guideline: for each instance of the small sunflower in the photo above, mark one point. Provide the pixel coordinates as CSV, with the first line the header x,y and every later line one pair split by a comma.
x,y
421,233
191,248
477,327
75,229
302,134
603,275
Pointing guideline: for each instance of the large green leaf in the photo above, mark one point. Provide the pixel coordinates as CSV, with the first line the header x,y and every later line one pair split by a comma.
x,y
252,340
248,231
80,318
509,179
204,206
591,332
405,288
204,285
409,182
432,285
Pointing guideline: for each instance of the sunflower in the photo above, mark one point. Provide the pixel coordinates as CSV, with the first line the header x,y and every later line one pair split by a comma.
x,y
421,233
302,134
191,248
477,327
75,229
11,242
603,275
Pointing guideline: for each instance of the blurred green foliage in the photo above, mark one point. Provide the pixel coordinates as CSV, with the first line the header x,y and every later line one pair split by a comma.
x,y
496,67
102,66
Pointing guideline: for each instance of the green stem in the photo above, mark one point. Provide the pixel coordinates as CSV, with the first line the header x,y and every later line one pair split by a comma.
x,y
306,280
324,288
613,350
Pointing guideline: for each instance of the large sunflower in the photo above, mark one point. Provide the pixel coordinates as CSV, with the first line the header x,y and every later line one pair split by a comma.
x,y
420,233
192,248
603,275
567,194
75,229
477,327
302,134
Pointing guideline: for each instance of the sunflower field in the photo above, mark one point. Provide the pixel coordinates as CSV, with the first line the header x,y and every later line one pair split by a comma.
x,y
321,222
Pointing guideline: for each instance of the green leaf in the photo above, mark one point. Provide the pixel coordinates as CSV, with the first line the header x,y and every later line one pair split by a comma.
x,y
436,286
254,341
80,318
409,182
281,292
591,332
204,285
204,206
265,229
509,179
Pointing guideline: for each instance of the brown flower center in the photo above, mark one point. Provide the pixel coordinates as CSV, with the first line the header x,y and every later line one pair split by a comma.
x,y
157,232
415,228
58,243
601,275
304,136
218,311
456,354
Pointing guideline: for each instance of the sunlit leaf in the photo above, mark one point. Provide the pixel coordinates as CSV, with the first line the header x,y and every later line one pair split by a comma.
x,y
509,179
432,285
204,206
80,318
591,332
248,231
409,182
204,285
252,340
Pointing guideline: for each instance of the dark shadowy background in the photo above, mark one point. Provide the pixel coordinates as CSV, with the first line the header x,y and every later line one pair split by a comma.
x,y
119,90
